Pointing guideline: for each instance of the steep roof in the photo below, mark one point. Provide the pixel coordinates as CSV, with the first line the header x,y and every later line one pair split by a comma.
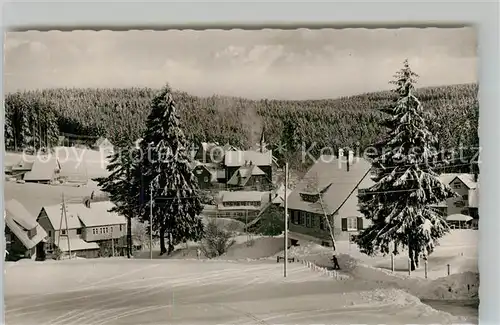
x,y
243,175
280,195
211,169
42,170
77,214
22,224
53,212
238,158
330,176
467,179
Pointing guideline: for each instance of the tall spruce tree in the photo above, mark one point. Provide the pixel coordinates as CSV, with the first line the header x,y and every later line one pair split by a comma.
x,y
399,204
166,168
121,185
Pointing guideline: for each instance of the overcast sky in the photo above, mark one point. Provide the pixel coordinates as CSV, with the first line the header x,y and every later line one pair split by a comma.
x,y
298,64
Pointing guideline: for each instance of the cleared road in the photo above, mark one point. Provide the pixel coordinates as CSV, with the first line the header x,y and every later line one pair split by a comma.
x,y
194,292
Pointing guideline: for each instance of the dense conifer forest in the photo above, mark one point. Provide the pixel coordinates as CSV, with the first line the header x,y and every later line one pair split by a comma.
x,y
36,118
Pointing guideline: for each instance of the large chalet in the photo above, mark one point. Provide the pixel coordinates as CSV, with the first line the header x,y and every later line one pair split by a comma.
x,y
329,189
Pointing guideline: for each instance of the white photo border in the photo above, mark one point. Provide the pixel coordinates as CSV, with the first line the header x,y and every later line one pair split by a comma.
x,y
126,15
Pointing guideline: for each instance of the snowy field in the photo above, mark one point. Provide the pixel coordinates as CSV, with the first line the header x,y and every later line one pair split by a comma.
x,y
33,196
117,291
458,249
87,162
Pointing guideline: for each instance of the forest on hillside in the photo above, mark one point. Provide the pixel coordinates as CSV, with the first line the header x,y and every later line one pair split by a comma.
x,y
36,118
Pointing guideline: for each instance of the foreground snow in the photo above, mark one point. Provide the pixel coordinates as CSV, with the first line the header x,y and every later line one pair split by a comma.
x,y
459,249
197,292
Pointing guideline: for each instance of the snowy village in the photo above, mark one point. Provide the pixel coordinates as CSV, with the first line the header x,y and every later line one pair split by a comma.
x,y
329,202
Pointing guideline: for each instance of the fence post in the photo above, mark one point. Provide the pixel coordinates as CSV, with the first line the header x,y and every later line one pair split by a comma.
x,y
448,265
409,267
425,265
392,262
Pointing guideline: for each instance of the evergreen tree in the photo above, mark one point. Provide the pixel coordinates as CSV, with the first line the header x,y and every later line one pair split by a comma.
x,y
166,168
121,185
399,204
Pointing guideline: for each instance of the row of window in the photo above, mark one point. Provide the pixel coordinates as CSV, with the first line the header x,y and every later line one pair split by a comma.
x,y
242,204
95,231
64,232
102,230
311,220
230,214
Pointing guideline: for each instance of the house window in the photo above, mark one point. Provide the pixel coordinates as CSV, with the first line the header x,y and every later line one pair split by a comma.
x,y
50,233
63,232
351,224
311,198
308,220
465,211
111,228
302,218
457,185
121,227
205,179
79,231
321,223
465,197
459,204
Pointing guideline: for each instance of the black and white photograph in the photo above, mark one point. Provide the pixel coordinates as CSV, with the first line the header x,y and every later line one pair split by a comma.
x,y
270,176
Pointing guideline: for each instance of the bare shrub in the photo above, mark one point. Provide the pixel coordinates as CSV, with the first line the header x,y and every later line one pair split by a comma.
x,y
217,240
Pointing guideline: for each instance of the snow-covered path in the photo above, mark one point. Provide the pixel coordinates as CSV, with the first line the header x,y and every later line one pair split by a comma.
x,y
194,292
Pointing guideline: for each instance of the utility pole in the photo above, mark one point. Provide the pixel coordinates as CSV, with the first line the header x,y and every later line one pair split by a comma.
x,y
65,217
286,221
246,225
151,200
112,244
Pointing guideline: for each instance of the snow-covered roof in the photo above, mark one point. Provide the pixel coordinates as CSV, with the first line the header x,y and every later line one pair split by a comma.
x,y
75,244
467,179
22,224
42,170
332,178
78,214
244,173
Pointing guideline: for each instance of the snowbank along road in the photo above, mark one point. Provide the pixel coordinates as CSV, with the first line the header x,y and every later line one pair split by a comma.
x,y
195,292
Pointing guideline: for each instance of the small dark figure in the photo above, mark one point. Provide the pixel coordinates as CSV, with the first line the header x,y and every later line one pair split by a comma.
x,y
335,261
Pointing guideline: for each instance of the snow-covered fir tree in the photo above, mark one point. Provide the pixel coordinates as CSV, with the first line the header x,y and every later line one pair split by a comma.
x,y
166,166
122,187
399,204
